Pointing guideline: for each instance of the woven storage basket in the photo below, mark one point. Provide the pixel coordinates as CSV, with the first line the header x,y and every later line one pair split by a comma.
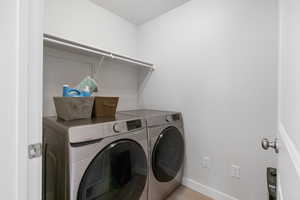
x,y
71,108
105,106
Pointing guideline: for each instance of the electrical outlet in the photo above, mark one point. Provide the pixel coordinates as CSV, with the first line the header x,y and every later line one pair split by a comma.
x,y
206,162
236,171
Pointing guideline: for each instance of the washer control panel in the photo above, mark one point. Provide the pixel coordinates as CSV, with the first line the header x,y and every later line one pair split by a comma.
x,y
101,130
132,125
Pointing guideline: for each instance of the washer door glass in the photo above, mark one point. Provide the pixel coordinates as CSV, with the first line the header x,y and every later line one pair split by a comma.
x,y
119,171
167,155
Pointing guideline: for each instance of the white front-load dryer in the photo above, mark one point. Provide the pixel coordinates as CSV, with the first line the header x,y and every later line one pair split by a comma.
x,y
95,159
167,149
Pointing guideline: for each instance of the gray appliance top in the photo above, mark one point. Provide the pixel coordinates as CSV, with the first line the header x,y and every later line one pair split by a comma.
x,y
92,121
84,130
155,117
147,113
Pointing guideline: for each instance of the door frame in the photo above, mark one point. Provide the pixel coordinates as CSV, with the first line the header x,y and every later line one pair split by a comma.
x,y
29,97
289,156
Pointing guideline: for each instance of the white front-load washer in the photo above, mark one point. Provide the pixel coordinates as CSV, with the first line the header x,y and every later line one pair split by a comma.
x,y
167,149
99,159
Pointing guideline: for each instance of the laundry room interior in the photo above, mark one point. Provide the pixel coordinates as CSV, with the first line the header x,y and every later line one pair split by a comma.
x,y
213,61
159,100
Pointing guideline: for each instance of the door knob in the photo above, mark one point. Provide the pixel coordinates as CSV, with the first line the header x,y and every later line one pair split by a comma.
x,y
266,144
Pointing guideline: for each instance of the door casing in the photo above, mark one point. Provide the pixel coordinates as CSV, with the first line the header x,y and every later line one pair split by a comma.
x,y
30,84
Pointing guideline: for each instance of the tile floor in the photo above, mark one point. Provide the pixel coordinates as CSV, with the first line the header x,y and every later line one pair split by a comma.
x,y
183,193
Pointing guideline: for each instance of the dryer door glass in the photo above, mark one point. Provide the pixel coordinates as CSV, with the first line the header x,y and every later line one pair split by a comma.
x,y
167,155
119,171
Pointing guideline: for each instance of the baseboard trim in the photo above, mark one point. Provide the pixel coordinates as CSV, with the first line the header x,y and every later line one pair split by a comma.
x,y
206,190
291,147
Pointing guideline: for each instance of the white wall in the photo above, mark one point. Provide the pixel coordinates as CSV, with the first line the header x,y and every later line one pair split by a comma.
x,y
8,84
289,158
217,63
114,78
85,22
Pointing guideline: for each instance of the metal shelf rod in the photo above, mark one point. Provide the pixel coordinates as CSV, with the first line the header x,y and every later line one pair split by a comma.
x,y
70,44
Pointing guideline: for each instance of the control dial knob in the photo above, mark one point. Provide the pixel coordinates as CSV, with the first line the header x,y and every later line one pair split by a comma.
x,y
169,118
117,128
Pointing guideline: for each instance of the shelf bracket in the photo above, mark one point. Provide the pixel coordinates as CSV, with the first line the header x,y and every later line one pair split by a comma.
x,y
100,63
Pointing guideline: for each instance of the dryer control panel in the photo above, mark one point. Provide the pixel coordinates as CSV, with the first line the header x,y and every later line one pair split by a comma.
x,y
174,117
